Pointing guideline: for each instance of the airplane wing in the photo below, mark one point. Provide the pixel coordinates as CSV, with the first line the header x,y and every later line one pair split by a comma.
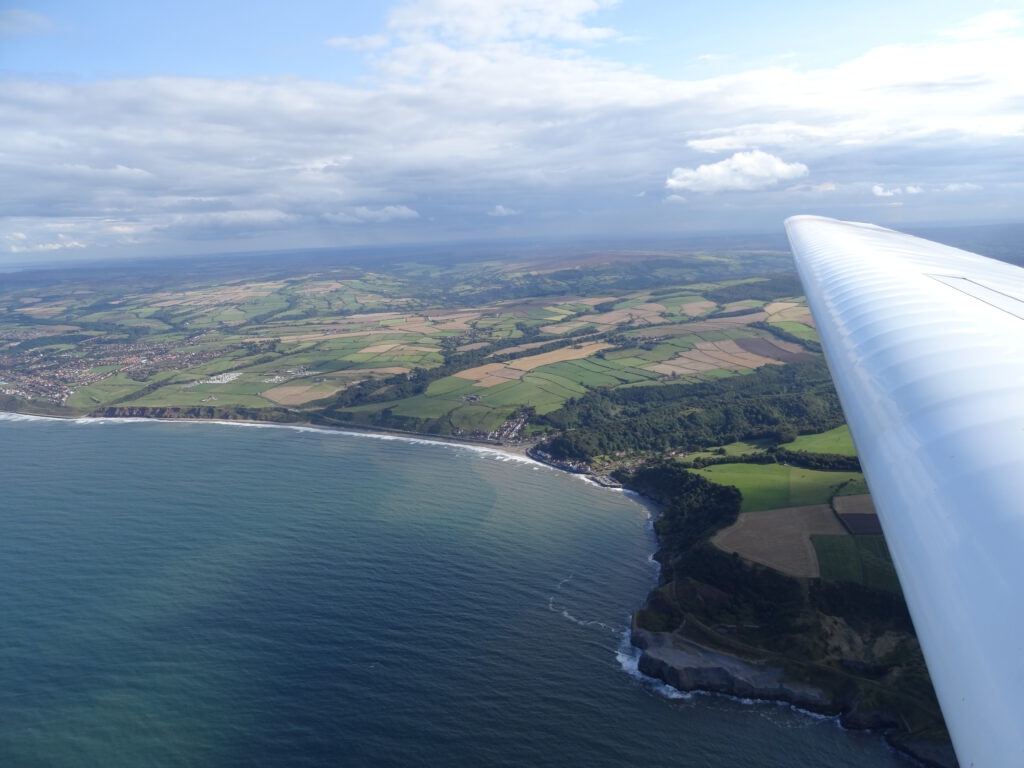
x,y
926,347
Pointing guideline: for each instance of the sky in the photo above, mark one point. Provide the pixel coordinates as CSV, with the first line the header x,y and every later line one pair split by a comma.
x,y
201,126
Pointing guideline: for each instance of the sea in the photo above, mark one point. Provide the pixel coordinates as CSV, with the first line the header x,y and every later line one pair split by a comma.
x,y
203,594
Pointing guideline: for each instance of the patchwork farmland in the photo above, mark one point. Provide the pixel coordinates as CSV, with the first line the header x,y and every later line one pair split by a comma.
x,y
321,341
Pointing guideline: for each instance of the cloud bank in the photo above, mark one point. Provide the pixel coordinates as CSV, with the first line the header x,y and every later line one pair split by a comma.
x,y
510,100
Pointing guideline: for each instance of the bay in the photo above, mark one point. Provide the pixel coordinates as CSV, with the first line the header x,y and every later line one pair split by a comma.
x,y
178,594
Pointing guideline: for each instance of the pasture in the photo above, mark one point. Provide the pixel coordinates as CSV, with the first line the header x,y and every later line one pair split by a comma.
x,y
799,330
836,440
732,449
772,486
859,559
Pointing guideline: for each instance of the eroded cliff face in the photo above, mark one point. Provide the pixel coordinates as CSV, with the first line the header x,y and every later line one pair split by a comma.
x,y
716,622
687,666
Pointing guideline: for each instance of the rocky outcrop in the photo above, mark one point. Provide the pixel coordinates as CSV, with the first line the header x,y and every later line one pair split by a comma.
x,y
687,666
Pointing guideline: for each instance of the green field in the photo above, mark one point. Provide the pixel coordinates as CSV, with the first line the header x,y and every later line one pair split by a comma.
x,y
541,391
860,559
799,330
732,449
594,372
836,440
171,396
451,385
449,399
771,486
723,373
471,418
106,391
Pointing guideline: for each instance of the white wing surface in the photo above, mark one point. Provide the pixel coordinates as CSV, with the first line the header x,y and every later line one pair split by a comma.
x,y
926,347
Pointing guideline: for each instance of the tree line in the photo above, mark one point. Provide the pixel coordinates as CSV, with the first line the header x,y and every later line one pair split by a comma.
x,y
774,403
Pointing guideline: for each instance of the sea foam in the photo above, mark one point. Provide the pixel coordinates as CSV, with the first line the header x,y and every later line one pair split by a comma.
x,y
7,416
628,657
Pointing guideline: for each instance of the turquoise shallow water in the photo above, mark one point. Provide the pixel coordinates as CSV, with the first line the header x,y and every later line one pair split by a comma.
x,y
178,594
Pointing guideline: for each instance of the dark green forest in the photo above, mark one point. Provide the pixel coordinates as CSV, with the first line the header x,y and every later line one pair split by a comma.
x,y
774,403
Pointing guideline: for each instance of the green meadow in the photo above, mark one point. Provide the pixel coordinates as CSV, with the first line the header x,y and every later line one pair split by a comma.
x,y
859,559
799,330
836,440
771,486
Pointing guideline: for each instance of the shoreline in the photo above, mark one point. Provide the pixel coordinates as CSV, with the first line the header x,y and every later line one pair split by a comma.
x,y
689,667
520,451
736,679
701,669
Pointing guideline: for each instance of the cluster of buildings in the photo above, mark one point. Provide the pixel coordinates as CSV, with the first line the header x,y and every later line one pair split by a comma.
x,y
53,376
34,387
510,431
568,465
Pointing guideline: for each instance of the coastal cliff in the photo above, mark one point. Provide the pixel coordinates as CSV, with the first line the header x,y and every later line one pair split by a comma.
x,y
688,666
719,624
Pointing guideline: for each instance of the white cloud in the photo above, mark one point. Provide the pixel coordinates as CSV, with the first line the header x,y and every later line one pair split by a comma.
x,y
473,102
674,199
785,133
719,144
46,247
363,43
816,189
362,214
241,223
986,26
742,171
61,243
495,20
879,190
40,235
17,22
501,210
387,213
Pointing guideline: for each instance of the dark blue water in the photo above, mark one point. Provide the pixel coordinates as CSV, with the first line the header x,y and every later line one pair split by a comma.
x,y
209,595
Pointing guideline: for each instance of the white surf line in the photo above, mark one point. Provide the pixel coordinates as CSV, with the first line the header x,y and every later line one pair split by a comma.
x,y
495,453
9,416
90,420
628,657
